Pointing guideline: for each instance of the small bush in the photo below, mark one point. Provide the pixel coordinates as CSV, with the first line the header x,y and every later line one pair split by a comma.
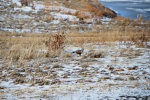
x,y
55,42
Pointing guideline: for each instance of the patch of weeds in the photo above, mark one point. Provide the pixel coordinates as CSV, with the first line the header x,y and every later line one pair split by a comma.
x,y
90,81
56,81
105,77
80,80
95,54
110,67
118,78
19,81
85,65
119,69
103,71
132,78
133,68
65,76
42,82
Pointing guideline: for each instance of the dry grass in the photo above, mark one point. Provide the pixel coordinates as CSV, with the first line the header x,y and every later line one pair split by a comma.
x,y
94,10
88,37
20,46
47,18
92,6
66,55
98,9
28,46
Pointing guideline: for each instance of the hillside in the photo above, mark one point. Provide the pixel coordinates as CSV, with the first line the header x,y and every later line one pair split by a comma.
x,y
36,16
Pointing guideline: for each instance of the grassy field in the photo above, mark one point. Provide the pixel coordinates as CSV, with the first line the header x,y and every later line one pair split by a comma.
x,y
16,46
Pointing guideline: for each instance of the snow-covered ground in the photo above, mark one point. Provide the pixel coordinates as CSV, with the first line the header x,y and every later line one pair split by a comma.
x,y
37,17
107,72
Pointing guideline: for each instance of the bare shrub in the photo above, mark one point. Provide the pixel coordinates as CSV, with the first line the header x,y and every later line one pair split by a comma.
x,y
55,42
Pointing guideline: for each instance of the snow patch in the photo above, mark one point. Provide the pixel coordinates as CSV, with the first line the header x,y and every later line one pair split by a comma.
x,y
22,16
55,21
39,6
17,2
25,9
62,9
64,16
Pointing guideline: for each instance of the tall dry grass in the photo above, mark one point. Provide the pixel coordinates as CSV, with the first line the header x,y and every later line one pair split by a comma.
x,y
105,36
25,46
15,47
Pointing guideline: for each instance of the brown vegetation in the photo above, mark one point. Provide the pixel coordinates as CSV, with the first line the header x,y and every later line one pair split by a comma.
x,y
92,6
19,46
99,10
